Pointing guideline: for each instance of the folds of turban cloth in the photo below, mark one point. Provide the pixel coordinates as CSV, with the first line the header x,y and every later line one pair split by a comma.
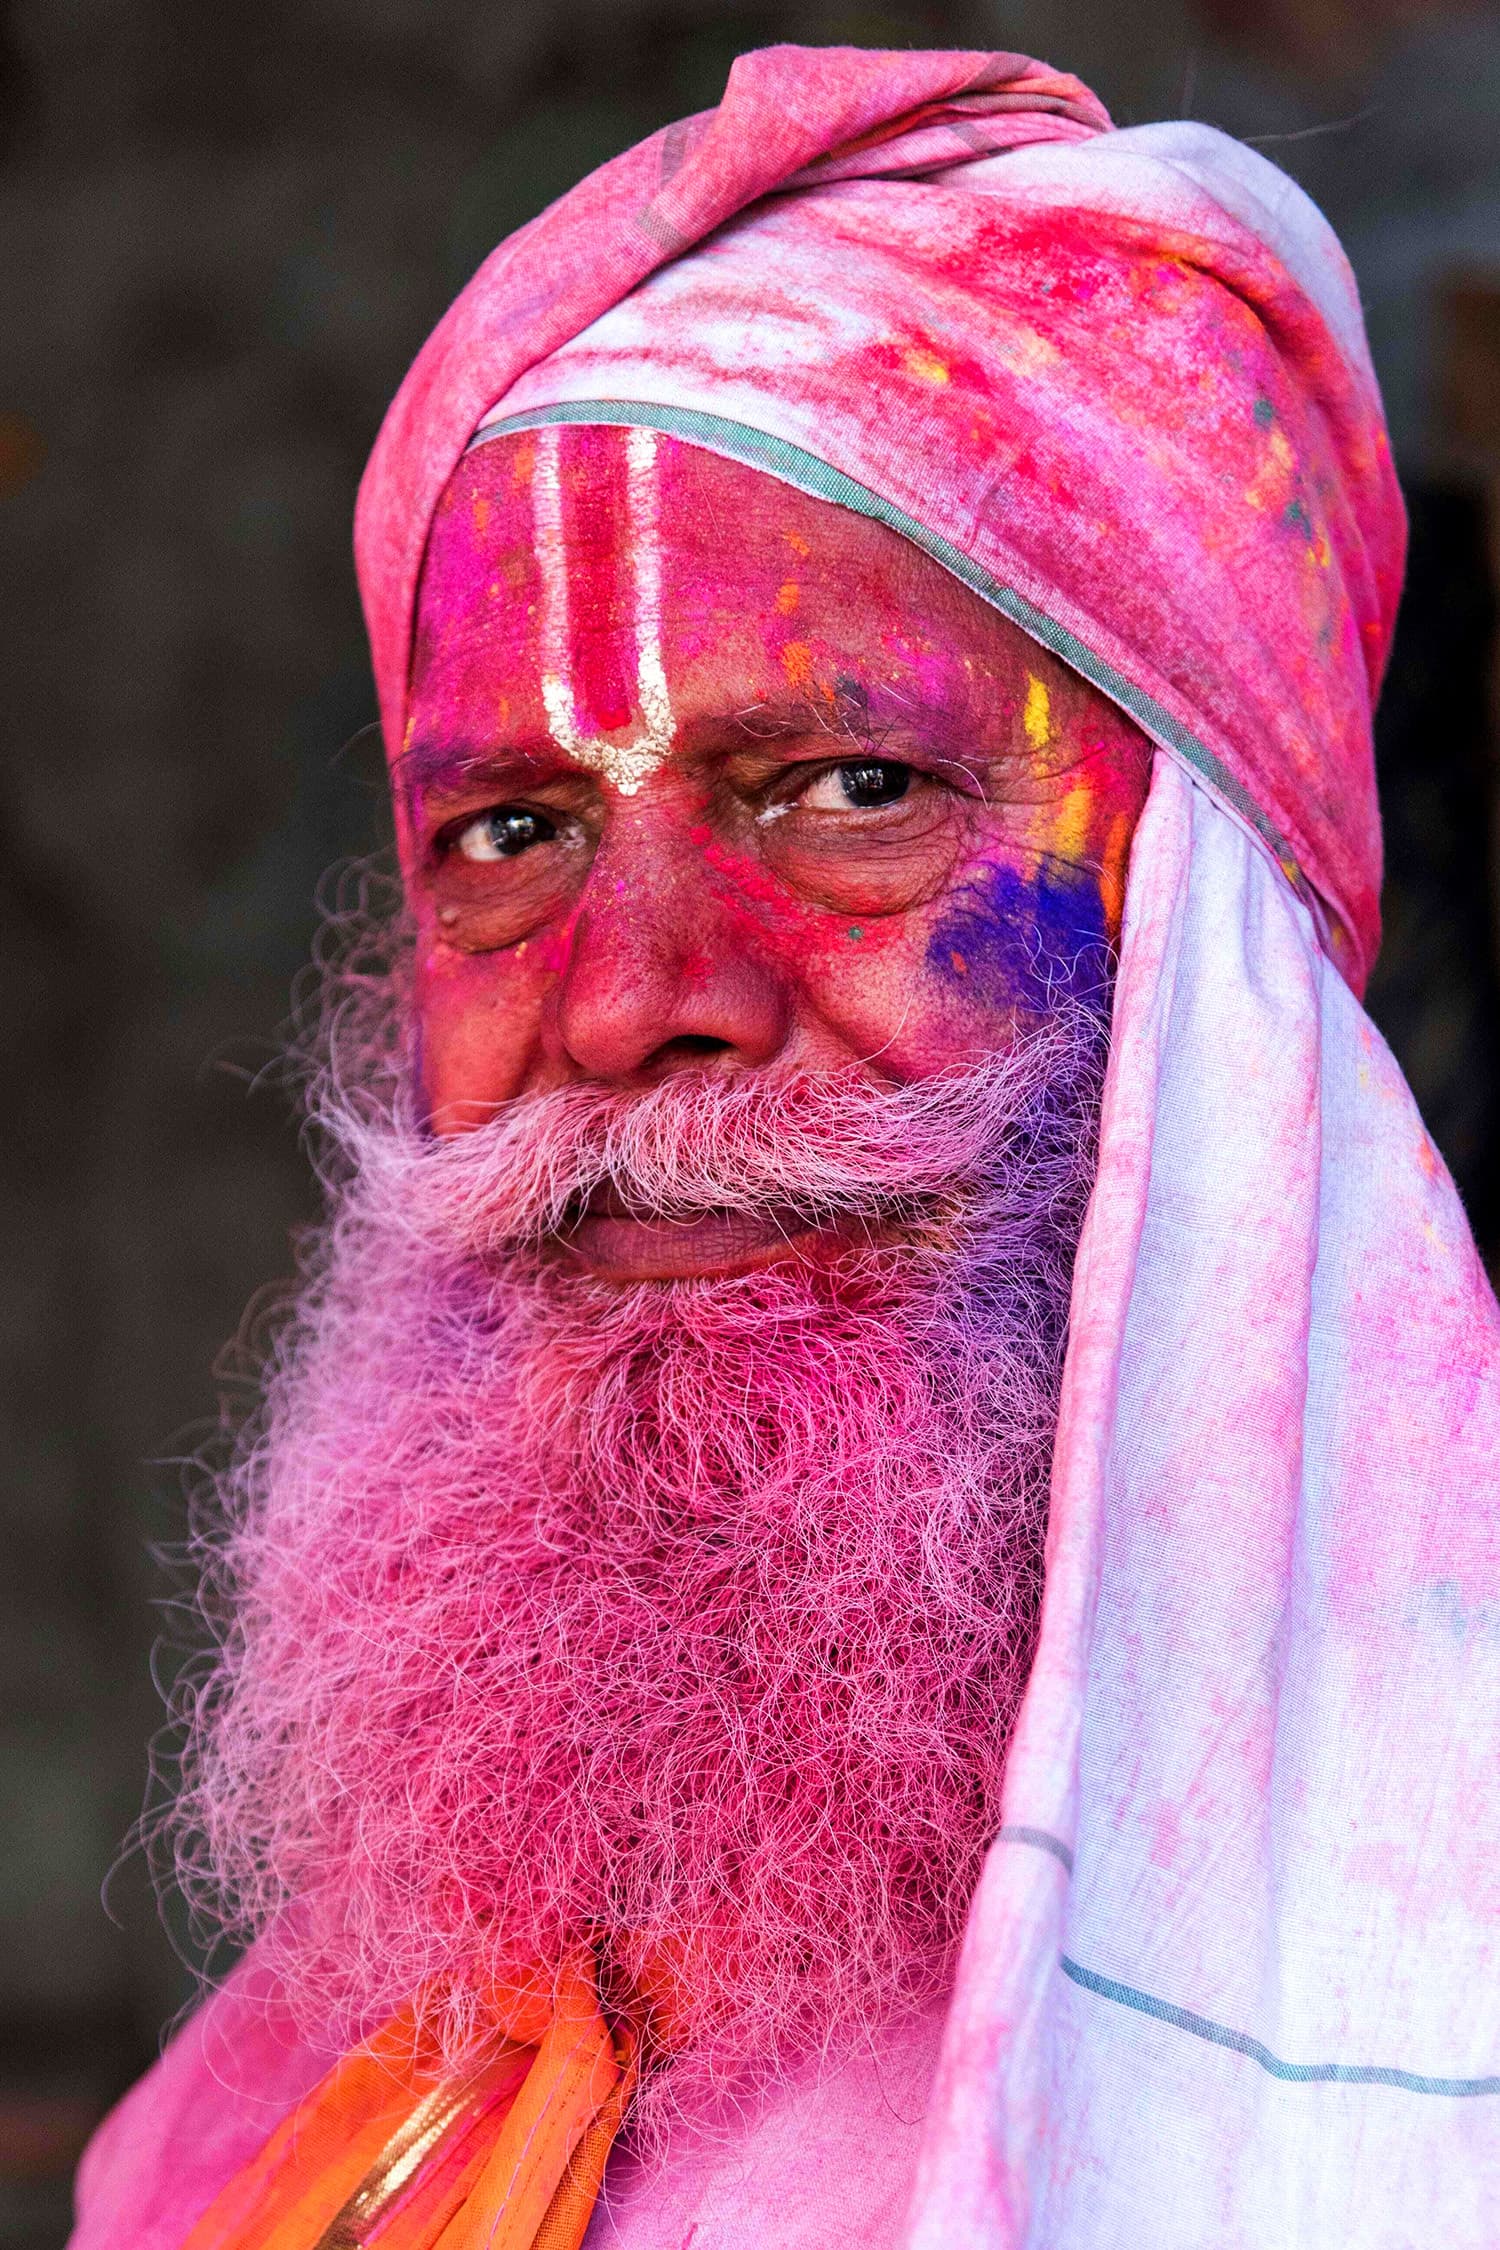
x,y
1230,1977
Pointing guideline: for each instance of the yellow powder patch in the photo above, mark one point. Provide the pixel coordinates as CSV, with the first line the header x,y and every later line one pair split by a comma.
x,y
1037,717
1070,833
788,597
796,662
798,544
926,366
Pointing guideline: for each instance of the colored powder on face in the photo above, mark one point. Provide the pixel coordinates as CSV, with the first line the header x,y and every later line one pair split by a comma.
x,y
584,689
1037,718
594,502
1115,862
1022,938
1076,815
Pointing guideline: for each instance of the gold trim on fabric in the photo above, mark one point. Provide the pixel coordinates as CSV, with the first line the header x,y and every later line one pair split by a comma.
x,y
437,2116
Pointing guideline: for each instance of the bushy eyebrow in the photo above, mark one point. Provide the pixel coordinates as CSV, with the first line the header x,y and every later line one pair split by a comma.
x,y
433,767
447,767
442,768
846,714
847,717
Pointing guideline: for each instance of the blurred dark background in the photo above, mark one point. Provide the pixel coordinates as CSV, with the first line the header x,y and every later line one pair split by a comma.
x,y
225,231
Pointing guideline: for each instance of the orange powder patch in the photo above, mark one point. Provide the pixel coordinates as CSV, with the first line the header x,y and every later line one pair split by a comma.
x,y
1112,872
797,663
788,597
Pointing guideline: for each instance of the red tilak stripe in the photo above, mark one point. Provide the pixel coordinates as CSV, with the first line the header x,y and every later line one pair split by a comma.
x,y
596,525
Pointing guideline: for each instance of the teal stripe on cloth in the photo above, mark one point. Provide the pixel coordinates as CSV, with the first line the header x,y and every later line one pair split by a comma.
x,y
1241,2043
1040,1839
757,450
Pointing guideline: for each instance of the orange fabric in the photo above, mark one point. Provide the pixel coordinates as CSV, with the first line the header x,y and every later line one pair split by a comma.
x,y
571,2208
574,2074
385,2151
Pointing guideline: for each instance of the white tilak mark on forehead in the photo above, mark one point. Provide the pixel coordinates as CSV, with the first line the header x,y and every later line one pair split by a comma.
x,y
650,671
624,765
552,561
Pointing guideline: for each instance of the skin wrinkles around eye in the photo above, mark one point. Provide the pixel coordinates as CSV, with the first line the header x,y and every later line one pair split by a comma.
x,y
858,792
876,858
773,783
854,785
438,784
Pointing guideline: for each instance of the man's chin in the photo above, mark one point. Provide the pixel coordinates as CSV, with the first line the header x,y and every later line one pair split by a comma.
x,y
618,1246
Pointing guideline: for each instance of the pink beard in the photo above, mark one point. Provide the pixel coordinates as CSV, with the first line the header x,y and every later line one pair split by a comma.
x,y
684,1621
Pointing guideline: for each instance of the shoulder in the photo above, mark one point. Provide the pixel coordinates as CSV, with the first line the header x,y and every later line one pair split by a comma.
x,y
163,2153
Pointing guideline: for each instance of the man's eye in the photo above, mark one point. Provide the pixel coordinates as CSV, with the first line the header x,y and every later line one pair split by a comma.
x,y
505,832
860,784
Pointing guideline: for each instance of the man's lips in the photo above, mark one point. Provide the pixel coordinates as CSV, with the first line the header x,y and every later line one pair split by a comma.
x,y
625,1245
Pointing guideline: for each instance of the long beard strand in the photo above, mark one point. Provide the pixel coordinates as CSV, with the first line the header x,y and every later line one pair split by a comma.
x,y
687,1622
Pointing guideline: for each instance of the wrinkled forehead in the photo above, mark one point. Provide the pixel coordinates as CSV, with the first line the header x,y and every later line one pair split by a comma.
x,y
595,585
545,558
581,501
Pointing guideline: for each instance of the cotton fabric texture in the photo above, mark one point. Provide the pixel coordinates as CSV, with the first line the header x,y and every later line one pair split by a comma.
x,y
1230,1974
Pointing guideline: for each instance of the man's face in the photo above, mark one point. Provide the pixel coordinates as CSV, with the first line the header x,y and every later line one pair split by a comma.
x,y
703,773
756,870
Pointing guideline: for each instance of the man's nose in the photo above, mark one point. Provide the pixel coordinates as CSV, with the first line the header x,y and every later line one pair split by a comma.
x,y
661,974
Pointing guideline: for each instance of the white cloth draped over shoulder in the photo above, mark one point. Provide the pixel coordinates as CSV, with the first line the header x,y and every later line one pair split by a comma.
x,y
1231,1976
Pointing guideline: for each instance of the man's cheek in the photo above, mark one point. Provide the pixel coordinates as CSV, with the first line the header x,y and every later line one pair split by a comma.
x,y
1021,936
478,1020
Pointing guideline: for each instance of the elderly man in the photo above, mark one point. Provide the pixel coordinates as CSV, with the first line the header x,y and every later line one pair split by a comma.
x,y
841,1624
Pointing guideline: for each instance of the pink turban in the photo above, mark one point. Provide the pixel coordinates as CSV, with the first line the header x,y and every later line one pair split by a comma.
x,y
1115,382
